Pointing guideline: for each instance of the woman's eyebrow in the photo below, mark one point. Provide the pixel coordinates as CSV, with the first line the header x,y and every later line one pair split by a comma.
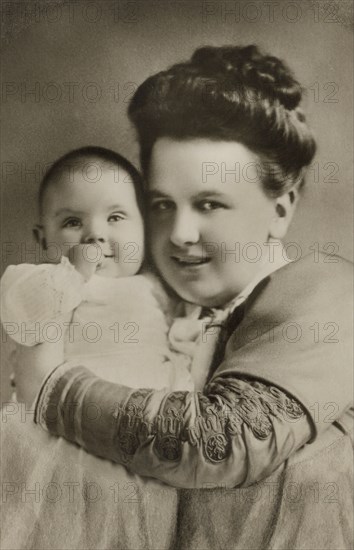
x,y
116,207
210,193
67,211
154,193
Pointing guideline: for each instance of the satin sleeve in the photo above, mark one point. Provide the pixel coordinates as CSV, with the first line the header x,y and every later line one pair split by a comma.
x,y
236,432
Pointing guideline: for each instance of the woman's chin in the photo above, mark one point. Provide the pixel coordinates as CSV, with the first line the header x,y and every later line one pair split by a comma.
x,y
199,296
198,286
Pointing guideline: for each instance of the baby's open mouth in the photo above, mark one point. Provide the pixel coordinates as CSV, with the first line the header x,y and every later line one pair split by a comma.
x,y
101,263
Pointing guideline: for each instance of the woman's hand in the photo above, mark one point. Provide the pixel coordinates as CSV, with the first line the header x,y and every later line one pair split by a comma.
x,y
32,365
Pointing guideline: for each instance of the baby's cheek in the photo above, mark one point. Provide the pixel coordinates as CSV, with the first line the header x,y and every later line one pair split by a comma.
x,y
131,256
129,268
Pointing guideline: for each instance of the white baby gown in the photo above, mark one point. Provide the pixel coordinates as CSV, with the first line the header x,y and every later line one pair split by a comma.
x,y
55,495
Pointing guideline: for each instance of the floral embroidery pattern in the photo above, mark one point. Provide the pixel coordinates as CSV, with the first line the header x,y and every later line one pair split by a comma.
x,y
228,407
217,447
168,447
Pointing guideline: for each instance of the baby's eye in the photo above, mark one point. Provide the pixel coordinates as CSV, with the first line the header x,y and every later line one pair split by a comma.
x,y
162,205
71,222
116,217
208,205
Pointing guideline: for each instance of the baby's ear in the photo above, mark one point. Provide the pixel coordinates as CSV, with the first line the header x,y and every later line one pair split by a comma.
x,y
38,235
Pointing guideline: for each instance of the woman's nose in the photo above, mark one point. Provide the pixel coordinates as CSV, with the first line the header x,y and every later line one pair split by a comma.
x,y
185,230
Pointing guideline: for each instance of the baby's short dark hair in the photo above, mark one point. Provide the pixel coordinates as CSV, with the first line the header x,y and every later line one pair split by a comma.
x,y
76,160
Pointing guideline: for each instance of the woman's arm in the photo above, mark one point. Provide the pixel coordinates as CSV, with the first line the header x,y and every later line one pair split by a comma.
x,y
235,433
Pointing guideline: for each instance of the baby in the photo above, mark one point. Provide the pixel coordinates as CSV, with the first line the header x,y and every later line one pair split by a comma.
x,y
112,318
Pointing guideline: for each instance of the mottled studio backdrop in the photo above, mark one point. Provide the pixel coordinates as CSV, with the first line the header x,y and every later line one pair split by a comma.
x,y
69,69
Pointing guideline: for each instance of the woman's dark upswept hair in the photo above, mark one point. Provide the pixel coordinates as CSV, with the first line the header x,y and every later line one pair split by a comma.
x,y
229,93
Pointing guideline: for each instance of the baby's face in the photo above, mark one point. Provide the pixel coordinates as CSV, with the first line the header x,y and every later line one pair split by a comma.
x,y
98,206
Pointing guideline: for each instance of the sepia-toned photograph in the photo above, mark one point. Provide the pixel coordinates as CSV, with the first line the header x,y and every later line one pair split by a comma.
x,y
176,275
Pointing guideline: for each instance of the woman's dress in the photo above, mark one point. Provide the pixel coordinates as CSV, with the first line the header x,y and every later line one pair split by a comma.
x,y
284,499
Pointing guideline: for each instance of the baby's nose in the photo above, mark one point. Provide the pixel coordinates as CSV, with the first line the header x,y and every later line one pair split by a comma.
x,y
94,233
92,240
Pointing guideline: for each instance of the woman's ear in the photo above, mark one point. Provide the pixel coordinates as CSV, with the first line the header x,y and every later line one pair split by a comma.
x,y
38,235
284,208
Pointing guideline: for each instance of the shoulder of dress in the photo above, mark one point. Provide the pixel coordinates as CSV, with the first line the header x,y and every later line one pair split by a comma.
x,y
315,277
302,290
24,269
318,266
16,274
20,268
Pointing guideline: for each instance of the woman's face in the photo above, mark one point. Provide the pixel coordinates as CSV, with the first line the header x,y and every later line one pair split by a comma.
x,y
209,219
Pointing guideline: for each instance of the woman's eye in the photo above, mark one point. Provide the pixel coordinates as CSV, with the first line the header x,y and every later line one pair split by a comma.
x,y
117,217
71,222
208,206
162,206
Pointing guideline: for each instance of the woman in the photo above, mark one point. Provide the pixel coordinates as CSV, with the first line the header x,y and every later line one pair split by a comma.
x,y
224,147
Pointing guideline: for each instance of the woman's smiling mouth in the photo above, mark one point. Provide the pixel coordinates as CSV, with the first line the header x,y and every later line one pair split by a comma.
x,y
190,261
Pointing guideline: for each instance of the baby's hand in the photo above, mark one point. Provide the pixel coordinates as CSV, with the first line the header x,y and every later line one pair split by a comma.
x,y
85,258
32,365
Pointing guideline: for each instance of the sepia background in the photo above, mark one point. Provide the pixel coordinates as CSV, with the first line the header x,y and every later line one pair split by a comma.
x,y
69,69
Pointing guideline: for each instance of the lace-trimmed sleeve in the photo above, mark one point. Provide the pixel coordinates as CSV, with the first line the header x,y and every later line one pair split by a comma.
x,y
32,295
235,433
